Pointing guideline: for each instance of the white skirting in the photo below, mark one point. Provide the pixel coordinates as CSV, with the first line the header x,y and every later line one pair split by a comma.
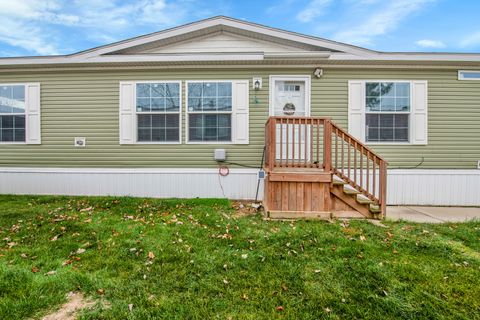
x,y
158,183
413,187
434,187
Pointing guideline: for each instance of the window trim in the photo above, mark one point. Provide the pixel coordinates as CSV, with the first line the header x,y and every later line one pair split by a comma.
x,y
179,112
187,112
24,84
410,129
462,78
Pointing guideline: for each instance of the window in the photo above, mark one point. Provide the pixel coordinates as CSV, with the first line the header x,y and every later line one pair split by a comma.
x,y
209,106
158,112
469,75
12,113
387,111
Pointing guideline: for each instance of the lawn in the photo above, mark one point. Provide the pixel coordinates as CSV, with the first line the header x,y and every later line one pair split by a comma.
x,y
200,259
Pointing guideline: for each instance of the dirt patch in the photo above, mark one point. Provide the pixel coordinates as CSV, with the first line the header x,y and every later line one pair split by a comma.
x,y
68,311
246,208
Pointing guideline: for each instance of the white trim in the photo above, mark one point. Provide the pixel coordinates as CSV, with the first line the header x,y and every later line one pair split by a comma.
x,y
187,114
179,112
462,78
123,170
308,89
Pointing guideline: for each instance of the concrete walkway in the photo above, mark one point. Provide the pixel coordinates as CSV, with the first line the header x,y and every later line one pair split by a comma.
x,y
432,214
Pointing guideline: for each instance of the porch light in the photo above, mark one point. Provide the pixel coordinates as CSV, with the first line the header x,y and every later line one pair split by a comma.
x,y
257,83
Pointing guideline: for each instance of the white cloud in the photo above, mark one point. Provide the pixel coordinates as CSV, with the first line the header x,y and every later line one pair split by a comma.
x,y
381,21
471,40
313,10
427,43
29,24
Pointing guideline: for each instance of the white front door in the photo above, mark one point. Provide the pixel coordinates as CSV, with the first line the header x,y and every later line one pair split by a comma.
x,y
290,97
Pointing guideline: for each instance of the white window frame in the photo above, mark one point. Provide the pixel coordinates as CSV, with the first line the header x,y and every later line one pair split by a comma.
x,y
409,112
12,114
179,112
462,78
187,123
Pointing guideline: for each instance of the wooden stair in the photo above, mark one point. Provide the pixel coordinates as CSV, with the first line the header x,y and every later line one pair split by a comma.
x,y
328,174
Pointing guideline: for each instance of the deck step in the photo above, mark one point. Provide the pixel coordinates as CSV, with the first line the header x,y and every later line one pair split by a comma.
x,y
375,209
363,199
350,190
338,181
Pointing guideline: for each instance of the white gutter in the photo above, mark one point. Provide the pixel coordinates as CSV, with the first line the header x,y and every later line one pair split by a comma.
x,y
297,55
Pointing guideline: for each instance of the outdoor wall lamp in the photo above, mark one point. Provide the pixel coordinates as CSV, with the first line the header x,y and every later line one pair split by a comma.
x,y
257,83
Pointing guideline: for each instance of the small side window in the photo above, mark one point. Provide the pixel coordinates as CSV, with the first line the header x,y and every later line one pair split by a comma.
x,y
469,75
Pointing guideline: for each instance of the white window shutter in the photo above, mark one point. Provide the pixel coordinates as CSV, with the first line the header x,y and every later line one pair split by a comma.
x,y
32,114
240,121
419,122
127,112
356,109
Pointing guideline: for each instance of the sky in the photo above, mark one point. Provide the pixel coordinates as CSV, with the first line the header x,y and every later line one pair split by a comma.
x,y
51,27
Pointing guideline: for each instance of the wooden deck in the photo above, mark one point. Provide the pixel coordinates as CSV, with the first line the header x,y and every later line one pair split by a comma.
x,y
317,170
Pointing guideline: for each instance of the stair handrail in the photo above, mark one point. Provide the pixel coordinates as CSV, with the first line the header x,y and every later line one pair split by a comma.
x,y
370,154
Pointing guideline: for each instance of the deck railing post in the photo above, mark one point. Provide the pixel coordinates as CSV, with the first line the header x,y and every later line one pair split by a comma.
x,y
327,145
383,188
272,143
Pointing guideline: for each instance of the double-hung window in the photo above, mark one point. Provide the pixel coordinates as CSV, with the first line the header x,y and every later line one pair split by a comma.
x,y
12,113
158,112
209,109
387,111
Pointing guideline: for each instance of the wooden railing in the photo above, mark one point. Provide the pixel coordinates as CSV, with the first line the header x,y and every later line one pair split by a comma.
x,y
318,143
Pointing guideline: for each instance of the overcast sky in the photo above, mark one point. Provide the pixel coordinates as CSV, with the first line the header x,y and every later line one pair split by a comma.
x,y
48,27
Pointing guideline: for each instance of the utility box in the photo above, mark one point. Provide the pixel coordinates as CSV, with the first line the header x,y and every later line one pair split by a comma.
x,y
220,155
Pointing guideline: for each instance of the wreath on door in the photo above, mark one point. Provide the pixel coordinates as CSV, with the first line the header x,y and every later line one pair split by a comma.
x,y
289,109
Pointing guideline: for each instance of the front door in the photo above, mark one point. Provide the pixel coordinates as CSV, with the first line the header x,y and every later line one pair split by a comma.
x,y
290,98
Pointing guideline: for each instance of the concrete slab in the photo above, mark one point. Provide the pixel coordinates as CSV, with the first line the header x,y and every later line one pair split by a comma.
x,y
407,214
432,214
450,214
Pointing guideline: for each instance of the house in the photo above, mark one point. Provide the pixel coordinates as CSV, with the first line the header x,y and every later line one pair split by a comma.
x,y
186,112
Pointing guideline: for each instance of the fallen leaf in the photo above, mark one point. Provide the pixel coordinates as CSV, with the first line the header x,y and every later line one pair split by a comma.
x,y
11,244
50,273
35,269
101,291
80,251
225,281
130,307
67,262
55,238
279,308
284,287
151,256
327,310
362,238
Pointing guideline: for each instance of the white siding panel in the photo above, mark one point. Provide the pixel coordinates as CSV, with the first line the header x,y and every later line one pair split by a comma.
x,y
224,42
433,187
157,183
405,187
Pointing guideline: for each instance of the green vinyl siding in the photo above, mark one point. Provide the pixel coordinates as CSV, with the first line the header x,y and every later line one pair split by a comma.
x,y
85,104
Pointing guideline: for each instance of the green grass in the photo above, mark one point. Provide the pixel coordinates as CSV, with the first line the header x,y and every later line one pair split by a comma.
x,y
209,264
